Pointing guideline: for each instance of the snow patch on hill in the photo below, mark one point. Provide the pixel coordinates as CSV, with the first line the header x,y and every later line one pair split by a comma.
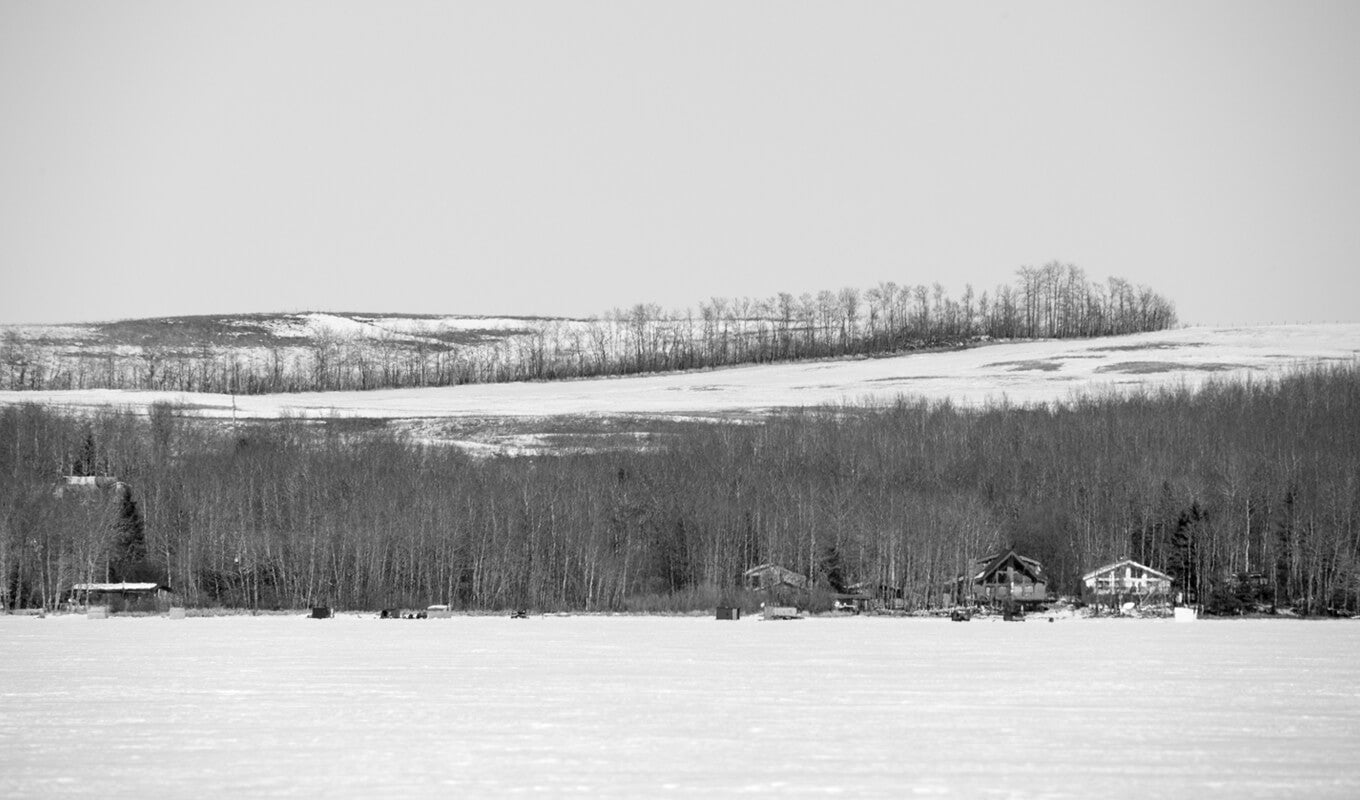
x,y
315,325
1031,372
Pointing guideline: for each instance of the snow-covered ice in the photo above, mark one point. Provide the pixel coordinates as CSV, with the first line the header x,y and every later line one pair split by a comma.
x,y
676,706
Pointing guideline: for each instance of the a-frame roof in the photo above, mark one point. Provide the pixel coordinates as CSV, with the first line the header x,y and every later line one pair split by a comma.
x,y
1031,568
1130,562
782,574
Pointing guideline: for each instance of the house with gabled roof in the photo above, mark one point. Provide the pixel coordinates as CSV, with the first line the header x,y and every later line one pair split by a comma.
x,y
1127,581
122,596
1003,578
768,577
777,585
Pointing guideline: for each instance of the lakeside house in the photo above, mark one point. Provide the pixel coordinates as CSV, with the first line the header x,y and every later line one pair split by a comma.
x,y
1127,581
780,584
767,577
1003,578
876,596
124,596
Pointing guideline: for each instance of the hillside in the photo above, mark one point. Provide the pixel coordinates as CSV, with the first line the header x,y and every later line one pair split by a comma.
x,y
316,352
1028,372
250,352
302,329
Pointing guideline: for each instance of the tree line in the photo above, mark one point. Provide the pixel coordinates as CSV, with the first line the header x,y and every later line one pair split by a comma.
x,y
1053,301
1246,493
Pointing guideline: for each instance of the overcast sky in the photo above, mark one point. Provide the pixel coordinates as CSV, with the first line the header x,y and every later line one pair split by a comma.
x,y
564,158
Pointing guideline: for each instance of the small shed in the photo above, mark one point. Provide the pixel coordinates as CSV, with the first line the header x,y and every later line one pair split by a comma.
x,y
1008,577
122,596
848,601
878,596
1127,580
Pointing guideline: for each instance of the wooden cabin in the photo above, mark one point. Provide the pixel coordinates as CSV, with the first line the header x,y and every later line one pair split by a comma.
x,y
1127,581
1008,577
768,577
777,584
878,596
122,596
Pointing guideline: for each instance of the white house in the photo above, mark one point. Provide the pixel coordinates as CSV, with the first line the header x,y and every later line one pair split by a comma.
x,y
1127,579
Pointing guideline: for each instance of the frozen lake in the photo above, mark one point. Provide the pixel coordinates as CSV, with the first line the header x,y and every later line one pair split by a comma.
x,y
648,706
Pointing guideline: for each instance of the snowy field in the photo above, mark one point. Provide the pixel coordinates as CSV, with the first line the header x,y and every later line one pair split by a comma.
x,y
1019,372
654,706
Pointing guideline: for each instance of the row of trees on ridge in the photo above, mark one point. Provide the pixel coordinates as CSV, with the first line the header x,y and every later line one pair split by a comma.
x,y
1053,301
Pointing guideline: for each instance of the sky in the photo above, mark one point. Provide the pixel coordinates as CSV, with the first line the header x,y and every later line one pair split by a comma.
x,y
566,158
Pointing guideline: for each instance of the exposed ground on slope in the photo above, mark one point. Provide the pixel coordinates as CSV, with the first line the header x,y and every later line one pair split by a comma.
x,y
1151,367
1051,365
